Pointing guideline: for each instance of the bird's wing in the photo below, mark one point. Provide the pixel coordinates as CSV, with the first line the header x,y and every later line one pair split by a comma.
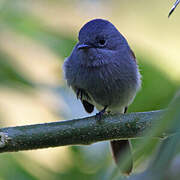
x,y
84,97
87,106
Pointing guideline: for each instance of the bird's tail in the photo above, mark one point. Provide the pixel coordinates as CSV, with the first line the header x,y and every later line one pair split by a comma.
x,y
119,149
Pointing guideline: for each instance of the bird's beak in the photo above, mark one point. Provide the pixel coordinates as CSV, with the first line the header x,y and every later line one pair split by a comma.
x,y
83,46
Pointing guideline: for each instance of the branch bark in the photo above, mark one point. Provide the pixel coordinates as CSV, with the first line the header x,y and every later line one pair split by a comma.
x,y
77,132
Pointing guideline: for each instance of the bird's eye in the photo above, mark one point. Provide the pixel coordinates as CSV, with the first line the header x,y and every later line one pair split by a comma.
x,y
102,42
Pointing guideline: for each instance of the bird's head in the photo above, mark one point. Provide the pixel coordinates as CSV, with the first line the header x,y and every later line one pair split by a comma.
x,y
100,34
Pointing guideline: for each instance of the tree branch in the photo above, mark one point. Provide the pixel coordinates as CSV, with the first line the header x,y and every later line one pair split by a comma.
x,y
79,131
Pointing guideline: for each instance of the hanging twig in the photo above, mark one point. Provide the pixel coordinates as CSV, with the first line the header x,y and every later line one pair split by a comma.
x,y
174,7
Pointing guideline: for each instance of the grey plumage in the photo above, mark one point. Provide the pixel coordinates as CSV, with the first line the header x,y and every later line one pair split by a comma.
x,y
109,74
102,68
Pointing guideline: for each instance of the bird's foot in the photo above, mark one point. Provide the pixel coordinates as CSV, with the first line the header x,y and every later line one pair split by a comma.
x,y
100,113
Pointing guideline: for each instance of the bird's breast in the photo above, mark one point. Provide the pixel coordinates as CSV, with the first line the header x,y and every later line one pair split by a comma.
x,y
107,85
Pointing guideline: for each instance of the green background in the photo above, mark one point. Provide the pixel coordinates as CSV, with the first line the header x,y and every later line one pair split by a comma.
x,y
36,37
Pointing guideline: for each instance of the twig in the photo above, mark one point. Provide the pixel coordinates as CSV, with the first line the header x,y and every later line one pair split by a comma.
x,y
173,8
79,131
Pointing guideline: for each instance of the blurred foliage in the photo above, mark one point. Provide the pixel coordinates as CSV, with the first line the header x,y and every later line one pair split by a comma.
x,y
9,74
24,19
158,88
11,169
23,22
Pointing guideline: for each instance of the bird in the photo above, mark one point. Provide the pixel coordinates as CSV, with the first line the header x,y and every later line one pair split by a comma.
x,y
102,71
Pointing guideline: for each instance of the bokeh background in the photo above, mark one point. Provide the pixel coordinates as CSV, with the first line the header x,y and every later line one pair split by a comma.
x,y
35,38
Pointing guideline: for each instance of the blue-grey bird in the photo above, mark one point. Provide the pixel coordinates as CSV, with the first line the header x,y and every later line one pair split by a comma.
x,y
103,72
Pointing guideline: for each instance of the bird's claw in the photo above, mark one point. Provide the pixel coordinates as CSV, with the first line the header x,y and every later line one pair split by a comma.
x,y
100,114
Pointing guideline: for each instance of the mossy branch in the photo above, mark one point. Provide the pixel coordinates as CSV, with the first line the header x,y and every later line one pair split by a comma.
x,y
78,131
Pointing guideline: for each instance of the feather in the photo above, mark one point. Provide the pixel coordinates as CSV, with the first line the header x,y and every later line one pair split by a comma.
x,y
87,106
